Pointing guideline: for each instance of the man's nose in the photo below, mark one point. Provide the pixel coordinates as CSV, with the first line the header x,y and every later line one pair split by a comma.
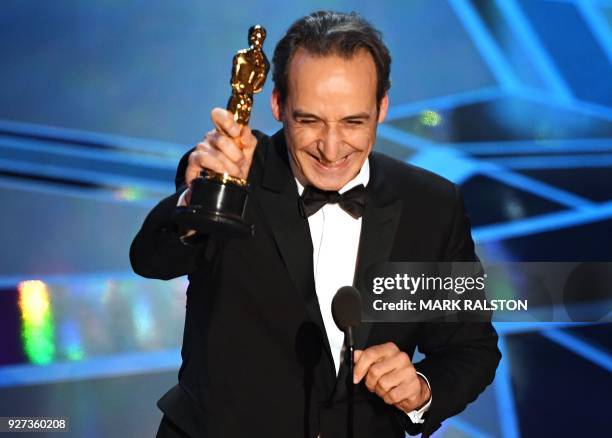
x,y
329,145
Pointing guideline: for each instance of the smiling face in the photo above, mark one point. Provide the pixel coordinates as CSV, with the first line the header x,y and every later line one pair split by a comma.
x,y
329,116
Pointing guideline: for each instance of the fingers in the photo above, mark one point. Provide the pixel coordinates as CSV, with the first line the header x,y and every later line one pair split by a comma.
x,y
225,125
192,172
224,122
207,156
247,139
406,396
228,146
370,356
388,373
248,142
227,149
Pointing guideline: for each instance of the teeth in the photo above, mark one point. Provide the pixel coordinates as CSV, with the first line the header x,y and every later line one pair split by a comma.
x,y
330,163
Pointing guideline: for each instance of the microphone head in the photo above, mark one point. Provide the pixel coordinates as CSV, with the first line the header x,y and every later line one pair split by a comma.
x,y
346,308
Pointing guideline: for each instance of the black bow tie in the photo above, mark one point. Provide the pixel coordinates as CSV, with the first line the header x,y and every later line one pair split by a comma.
x,y
313,199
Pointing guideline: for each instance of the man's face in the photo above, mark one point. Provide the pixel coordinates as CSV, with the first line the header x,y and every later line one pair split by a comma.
x,y
329,116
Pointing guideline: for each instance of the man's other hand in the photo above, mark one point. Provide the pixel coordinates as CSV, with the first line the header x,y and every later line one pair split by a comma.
x,y
389,373
228,148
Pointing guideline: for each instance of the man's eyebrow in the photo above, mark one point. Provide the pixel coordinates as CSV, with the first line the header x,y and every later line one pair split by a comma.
x,y
304,114
357,116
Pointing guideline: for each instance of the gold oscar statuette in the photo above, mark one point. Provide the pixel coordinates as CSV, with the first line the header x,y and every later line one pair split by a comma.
x,y
218,200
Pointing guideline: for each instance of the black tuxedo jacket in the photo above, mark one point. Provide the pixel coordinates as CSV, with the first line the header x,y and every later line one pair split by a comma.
x,y
256,360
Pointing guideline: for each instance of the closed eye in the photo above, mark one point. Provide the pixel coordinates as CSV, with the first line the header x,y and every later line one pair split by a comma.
x,y
306,121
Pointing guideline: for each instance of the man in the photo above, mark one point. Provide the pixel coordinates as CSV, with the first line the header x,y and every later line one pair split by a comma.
x,y
261,355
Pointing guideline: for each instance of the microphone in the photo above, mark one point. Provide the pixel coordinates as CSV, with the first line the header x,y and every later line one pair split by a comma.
x,y
346,310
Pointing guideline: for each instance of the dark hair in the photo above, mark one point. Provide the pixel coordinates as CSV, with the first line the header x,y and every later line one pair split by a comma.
x,y
325,33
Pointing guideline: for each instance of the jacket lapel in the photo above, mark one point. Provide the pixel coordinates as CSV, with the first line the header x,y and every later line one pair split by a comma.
x,y
378,228
278,199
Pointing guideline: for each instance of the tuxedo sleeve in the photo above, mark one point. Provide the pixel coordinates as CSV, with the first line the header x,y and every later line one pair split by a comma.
x,y
460,357
157,250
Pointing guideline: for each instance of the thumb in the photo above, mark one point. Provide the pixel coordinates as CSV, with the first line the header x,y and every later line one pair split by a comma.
x,y
357,354
224,122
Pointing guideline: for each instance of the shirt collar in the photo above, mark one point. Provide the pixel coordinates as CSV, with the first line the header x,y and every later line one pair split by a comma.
x,y
363,177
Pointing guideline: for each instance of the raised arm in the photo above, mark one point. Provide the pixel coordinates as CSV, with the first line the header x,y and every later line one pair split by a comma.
x,y
158,251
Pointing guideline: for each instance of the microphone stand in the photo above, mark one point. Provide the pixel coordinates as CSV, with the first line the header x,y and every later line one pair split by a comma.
x,y
349,380
346,310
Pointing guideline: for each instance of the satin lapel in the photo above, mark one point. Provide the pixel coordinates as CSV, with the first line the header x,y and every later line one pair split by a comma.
x,y
378,228
278,201
377,237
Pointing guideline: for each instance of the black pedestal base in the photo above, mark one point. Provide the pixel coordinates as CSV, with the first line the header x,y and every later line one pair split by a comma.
x,y
215,208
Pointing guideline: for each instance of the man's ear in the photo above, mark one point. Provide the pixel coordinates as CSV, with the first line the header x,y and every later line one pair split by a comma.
x,y
384,107
275,105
